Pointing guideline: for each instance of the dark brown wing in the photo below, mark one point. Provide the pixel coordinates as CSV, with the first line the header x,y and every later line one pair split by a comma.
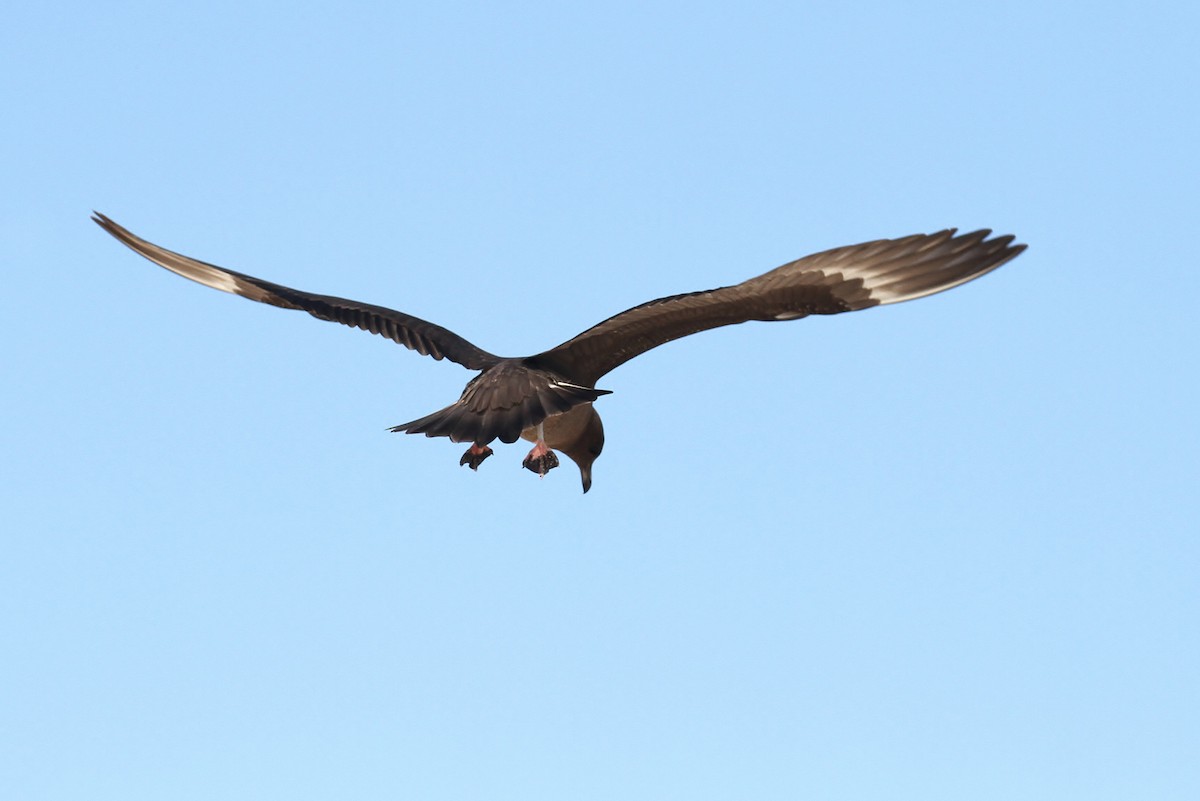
x,y
411,332
838,280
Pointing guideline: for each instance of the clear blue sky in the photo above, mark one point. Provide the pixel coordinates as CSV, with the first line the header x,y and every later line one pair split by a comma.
x,y
940,550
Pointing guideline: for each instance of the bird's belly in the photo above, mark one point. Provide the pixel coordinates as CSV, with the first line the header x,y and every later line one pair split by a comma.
x,y
561,430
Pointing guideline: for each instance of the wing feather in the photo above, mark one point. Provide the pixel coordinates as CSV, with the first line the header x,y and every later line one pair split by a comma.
x,y
833,281
413,333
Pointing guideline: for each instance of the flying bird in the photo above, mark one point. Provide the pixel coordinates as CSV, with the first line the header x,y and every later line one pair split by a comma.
x,y
548,398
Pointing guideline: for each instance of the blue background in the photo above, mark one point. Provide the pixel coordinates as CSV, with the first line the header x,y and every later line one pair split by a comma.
x,y
939,550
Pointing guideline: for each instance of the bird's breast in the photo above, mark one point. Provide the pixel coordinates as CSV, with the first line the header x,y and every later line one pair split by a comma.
x,y
562,430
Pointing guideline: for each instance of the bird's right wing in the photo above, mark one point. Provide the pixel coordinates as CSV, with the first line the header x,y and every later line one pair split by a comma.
x,y
411,332
839,280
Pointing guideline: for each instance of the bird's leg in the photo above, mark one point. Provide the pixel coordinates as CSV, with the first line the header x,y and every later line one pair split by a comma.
x,y
475,456
541,459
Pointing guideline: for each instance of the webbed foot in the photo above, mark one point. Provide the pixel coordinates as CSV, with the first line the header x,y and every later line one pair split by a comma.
x,y
541,459
475,456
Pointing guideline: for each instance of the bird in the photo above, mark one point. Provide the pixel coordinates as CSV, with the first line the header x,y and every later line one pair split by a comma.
x,y
548,398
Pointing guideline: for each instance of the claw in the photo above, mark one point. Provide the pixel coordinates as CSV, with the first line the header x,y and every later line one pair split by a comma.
x,y
475,456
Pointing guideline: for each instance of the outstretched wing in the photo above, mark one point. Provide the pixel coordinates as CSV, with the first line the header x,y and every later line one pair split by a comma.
x,y
839,280
411,332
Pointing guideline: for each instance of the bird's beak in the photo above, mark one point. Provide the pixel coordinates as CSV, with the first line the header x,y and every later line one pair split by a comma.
x,y
586,474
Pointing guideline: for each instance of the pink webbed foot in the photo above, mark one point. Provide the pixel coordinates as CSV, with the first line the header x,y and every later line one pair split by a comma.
x,y
475,456
541,459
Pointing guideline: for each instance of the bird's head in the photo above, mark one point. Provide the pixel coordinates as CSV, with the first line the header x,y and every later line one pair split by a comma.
x,y
587,447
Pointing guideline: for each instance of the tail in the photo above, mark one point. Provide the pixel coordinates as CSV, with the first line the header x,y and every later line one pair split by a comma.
x,y
500,403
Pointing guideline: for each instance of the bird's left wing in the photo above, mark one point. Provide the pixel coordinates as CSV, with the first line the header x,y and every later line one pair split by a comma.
x,y
830,282
411,332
